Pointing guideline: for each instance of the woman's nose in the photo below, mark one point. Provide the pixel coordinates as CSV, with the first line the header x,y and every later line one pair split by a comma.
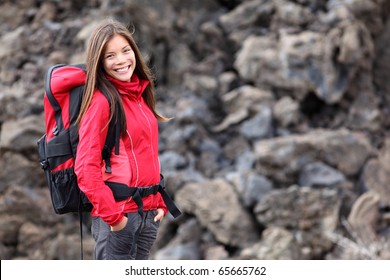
x,y
120,58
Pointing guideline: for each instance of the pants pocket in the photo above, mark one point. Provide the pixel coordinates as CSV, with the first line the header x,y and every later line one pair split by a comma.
x,y
120,243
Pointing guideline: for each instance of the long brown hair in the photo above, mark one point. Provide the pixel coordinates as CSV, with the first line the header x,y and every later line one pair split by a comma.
x,y
95,71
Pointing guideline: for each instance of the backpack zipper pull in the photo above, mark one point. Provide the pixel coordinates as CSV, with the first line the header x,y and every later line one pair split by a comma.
x,y
108,166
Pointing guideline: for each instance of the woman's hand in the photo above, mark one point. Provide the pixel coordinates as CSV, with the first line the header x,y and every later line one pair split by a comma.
x,y
159,215
121,225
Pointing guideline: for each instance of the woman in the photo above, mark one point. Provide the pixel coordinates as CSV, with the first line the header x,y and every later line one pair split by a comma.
x,y
114,63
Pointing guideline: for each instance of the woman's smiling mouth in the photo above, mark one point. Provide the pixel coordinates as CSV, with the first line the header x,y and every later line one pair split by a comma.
x,y
123,69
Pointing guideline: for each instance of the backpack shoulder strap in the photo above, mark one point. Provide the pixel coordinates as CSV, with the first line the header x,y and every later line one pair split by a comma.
x,y
113,137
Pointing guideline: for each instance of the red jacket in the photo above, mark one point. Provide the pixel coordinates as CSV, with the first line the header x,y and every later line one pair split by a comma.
x,y
137,163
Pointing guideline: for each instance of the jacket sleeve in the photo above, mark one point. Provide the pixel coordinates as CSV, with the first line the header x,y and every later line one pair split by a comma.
x,y
88,166
161,204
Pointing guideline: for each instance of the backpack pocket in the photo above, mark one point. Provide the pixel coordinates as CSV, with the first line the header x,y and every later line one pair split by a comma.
x,y
65,194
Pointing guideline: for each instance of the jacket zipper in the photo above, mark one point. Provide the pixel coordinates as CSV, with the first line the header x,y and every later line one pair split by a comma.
x,y
151,144
135,158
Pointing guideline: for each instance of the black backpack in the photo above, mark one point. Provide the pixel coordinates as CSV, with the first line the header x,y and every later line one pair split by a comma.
x,y
58,146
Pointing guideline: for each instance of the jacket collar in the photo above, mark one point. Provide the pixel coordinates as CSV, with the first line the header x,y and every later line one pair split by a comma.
x,y
134,88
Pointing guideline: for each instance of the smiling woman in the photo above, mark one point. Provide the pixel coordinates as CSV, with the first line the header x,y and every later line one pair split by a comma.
x,y
119,59
125,228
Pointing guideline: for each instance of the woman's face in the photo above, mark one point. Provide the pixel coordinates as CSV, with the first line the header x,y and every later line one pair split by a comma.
x,y
119,59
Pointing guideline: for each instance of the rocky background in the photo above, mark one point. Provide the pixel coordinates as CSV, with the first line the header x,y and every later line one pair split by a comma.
x,y
279,144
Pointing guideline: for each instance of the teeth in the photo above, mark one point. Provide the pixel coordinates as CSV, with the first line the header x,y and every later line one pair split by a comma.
x,y
124,69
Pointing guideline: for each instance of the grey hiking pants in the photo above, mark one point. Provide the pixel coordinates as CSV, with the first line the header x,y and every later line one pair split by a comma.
x,y
125,244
